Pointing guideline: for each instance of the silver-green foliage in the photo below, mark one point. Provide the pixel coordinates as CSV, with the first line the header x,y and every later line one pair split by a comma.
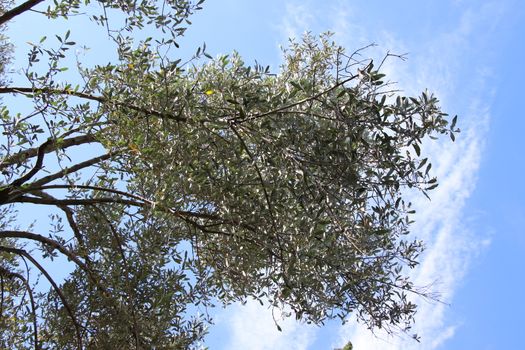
x,y
219,181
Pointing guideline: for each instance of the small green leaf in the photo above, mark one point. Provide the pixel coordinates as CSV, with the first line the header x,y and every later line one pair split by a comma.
x,y
296,85
432,187
454,121
417,149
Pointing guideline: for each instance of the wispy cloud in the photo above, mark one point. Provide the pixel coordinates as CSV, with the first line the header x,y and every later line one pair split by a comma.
x,y
252,326
297,18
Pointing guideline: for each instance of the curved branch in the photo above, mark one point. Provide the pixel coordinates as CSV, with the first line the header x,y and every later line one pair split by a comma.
x,y
5,192
33,152
36,168
54,244
10,274
69,216
47,241
72,169
99,99
57,289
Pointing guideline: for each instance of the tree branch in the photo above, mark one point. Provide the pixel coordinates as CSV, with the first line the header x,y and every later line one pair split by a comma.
x,y
100,99
135,200
36,168
89,187
71,169
47,241
291,105
10,274
69,216
57,289
78,201
33,152
7,190
54,244
26,6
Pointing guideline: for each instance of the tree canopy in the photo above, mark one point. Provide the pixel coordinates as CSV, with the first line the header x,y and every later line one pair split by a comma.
x,y
174,185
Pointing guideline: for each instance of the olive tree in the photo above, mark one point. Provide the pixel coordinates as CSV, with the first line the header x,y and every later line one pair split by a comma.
x,y
203,181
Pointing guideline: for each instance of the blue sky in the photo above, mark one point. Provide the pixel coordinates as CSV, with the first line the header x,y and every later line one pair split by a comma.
x,y
469,53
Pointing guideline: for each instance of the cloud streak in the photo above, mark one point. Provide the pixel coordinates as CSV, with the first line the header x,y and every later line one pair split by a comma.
x,y
298,17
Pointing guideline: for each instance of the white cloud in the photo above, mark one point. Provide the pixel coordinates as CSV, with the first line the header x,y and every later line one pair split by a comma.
x,y
297,19
252,326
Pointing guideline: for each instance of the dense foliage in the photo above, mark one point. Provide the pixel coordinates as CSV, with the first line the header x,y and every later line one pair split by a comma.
x,y
201,182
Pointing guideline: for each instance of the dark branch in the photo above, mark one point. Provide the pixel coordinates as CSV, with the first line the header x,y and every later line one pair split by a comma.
x,y
69,215
57,289
7,190
49,242
89,187
55,245
10,193
78,201
26,6
71,169
22,156
10,274
100,99
36,168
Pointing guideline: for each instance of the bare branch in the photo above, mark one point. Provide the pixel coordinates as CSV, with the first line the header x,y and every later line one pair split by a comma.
x,y
100,99
57,289
22,156
10,274
26,6
72,169
36,168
